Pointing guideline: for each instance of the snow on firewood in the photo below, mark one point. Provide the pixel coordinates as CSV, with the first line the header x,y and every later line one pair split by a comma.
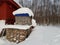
x,y
2,25
23,10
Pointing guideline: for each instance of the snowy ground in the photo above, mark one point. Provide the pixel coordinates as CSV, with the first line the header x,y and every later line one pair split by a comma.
x,y
41,35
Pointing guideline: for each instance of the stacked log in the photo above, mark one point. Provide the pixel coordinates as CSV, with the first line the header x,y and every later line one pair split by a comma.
x,y
17,35
23,20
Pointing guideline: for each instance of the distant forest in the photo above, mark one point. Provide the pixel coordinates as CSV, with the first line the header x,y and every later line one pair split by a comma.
x,y
46,11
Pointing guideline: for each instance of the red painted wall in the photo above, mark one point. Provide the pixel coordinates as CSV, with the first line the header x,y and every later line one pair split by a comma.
x,y
6,9
3,11
10,17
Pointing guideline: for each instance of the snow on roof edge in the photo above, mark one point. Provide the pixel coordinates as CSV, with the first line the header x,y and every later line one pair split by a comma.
x,y
18,3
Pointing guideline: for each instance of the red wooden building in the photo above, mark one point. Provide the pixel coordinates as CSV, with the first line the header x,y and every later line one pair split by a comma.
x,y
6,9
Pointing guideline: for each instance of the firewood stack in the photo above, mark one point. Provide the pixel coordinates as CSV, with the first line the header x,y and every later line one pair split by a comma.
x,y
19,35
16,35
23,20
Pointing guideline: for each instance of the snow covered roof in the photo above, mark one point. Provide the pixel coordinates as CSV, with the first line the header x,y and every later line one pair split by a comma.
x,y
23,10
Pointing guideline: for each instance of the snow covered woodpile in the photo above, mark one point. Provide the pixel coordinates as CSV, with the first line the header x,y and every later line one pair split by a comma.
x,y
17,35
22,27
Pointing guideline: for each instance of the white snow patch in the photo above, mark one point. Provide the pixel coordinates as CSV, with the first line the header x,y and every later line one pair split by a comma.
x,y
2,23
43,35
23,10
2,42
17,26
34,22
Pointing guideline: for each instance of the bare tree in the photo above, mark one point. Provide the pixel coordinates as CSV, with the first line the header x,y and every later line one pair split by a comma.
x,y
46,11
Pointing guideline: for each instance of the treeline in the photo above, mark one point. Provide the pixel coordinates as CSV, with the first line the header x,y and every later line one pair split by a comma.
x,y
46,11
